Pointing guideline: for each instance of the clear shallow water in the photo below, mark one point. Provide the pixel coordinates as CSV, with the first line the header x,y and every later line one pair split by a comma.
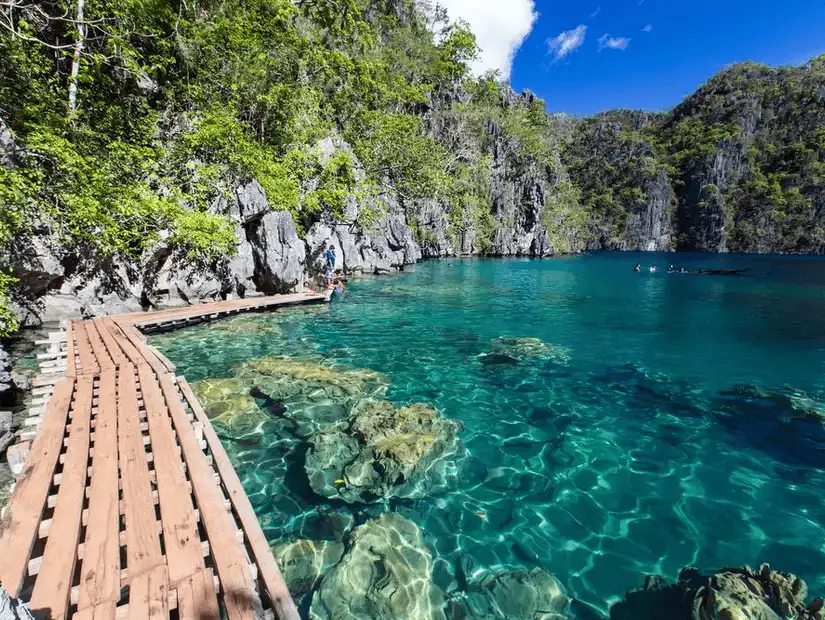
x,y
636,454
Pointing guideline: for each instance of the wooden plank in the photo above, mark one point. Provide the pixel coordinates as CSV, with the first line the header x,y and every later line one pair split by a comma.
x,y
88,364
71,363
53,586
123,343
149,595
100,569
230,559
180,531
104,611
31,493
169,366
134,337
104,361
142,541
262,554
197,599
110,342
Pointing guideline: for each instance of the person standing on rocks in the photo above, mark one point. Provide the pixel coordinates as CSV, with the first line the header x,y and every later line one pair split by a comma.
x,y
330,254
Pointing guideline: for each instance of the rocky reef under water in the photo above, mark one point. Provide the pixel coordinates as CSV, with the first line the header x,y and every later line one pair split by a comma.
x,y
728,594
354,453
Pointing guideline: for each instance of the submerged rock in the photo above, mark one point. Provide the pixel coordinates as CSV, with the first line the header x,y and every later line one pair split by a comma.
x,y
526,348
730,594
385,574
386,452
230,407
303,563
345,381
317,397
788,425
517,594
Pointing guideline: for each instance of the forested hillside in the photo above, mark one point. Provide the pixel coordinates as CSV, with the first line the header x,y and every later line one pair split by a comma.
x,y
155,152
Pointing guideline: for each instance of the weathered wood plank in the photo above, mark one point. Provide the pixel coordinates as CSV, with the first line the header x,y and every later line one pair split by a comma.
x,y
149,595
88,364
112,346
100,569
71,362
270,573
240,596
128,349
104,611
142,541
180,531
54,583
104,361
31,493
197,599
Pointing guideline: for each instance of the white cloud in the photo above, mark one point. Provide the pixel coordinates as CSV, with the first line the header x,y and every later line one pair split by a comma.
x,y
648,28
500,29
596,12
607,41
567,42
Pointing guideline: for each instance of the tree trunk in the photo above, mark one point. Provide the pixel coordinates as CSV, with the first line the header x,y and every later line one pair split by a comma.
x,y
78,51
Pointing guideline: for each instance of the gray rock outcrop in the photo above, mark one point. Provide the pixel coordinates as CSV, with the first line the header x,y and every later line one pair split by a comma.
x,y
731,593
279,254
6,382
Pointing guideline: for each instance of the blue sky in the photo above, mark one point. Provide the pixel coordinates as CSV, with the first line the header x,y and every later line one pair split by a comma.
x,y
686,43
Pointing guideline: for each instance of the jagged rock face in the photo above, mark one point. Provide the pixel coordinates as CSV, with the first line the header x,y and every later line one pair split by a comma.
x,y
6,383
619,173
519,189
278,252
431,216
388,245
651,226
169,283
385,574
7,147
730,594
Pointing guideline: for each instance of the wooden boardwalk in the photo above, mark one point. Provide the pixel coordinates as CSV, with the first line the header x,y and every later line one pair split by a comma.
x,y
128,506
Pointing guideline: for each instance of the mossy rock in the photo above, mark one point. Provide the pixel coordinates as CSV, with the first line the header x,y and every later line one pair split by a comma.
x,y
229,406
387,452
311,371
212,390
526,348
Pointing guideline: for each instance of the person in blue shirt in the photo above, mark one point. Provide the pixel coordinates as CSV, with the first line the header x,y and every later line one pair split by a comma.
x,y
330,254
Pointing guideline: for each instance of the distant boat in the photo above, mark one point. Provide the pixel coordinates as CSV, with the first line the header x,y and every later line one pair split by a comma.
x,y
720,272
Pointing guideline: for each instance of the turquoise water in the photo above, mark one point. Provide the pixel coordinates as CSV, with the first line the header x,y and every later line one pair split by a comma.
x,y
675,420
